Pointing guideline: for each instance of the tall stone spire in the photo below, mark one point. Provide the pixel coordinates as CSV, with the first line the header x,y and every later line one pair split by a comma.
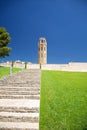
x,y
42,51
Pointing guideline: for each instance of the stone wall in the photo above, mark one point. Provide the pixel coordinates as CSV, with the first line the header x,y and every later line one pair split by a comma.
x,y
54,66
21,65
33,66
72,66
16,65
78,66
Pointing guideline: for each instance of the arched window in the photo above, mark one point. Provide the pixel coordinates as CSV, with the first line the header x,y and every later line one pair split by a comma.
x,y
41,48
42,41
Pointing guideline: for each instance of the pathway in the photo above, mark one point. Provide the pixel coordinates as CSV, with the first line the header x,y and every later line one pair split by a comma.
x,y
20,101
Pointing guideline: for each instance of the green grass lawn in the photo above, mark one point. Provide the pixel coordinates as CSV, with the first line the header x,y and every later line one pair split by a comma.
x,y
63,101
4,71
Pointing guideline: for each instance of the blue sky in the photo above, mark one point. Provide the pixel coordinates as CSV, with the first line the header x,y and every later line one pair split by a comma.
x,y
62,22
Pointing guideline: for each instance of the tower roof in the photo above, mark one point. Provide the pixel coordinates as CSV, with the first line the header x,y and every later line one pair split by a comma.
x,y
42,40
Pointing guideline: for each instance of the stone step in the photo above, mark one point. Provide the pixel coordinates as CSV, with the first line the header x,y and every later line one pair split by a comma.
x,y
20,92
18,82
19,126
19,96
19,114
27,84
19,79
19,109
19,117
19,103
22,76
19,88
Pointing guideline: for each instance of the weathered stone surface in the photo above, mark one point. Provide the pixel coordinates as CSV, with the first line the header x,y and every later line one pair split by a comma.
x,y
18,125
20,101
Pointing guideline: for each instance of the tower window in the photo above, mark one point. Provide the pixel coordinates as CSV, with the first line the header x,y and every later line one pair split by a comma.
x,y
41,48
42,41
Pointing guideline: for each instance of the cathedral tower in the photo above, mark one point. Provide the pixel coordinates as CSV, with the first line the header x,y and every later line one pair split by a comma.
x,y
42,51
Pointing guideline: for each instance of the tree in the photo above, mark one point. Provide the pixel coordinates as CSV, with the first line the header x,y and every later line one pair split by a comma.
x,y
4,41
25,65
12,64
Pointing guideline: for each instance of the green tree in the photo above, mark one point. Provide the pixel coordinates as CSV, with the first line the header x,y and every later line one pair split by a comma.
x,y
4,41
25,65
12,64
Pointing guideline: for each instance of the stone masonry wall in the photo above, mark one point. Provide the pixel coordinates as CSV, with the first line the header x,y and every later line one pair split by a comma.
x,y
72,66
20,65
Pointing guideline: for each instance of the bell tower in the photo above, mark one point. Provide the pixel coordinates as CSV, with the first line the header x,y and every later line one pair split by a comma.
x,y
42,51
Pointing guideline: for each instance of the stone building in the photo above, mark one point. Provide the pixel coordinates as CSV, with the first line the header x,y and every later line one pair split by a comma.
x,y
42,51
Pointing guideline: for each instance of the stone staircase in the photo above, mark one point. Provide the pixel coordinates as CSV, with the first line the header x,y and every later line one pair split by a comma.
x,y
20,101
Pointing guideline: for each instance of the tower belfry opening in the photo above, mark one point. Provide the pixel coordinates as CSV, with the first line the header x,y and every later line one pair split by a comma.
x,y
42,51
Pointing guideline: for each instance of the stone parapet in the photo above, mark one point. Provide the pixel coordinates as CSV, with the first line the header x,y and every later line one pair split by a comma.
x,y
33,66
73,66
